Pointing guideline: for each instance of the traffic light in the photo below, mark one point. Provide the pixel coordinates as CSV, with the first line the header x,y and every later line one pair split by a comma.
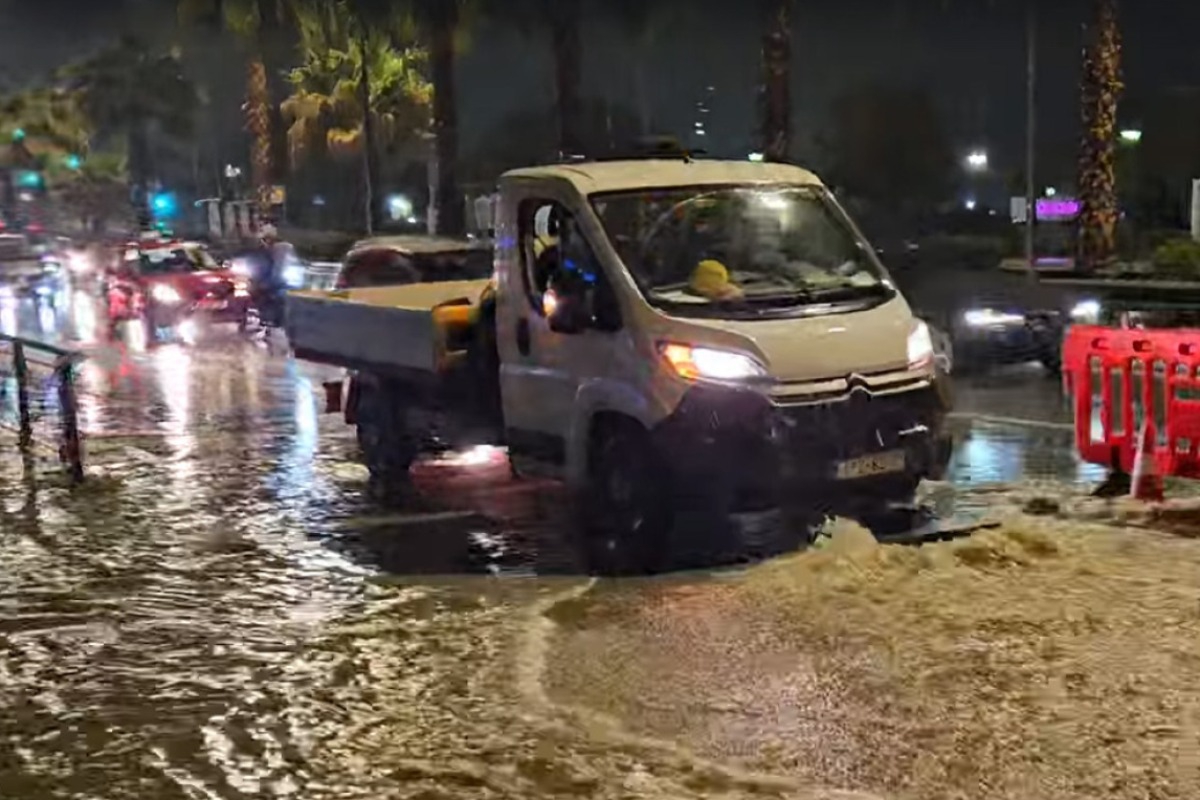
x,y
29,179
18,135
164,205
73,161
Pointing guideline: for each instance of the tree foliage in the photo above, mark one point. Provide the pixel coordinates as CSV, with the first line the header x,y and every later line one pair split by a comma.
x,y
325,109
52,119
127,88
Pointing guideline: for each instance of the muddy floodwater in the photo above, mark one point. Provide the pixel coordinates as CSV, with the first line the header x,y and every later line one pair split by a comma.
x,y
220,613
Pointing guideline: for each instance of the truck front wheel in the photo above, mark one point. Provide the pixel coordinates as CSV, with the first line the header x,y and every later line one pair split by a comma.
x,y
627,507
388,447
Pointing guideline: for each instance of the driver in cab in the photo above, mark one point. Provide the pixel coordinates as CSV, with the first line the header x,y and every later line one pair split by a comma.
x,y
705,248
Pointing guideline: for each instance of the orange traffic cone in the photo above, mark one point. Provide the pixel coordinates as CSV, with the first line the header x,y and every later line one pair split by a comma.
x,y
1147,484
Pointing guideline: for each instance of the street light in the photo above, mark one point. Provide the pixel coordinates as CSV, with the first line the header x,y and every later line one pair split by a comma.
x,y
1131,135
977,160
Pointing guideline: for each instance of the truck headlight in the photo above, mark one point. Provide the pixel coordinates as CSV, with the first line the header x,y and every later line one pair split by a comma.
x,y
708,363
1086,311
920,347
987,317
165,294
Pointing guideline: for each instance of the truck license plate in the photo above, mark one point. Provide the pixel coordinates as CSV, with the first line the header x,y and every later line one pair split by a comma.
x,y
874,464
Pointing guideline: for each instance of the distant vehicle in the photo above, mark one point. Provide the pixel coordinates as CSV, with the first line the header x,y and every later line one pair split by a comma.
x,y
28,267
994,334
173,288
399,260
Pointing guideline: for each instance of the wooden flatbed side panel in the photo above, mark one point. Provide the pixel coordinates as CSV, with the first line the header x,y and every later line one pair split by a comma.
x,y
363,333
412,297
394,326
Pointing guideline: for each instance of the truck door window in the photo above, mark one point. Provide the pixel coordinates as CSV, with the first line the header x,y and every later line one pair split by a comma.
x,y
557,253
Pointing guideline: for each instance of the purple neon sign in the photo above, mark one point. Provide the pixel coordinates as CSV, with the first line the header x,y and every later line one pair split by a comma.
x,y
1057,207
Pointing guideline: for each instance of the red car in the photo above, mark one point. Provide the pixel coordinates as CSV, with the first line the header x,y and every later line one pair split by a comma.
x,y
174,288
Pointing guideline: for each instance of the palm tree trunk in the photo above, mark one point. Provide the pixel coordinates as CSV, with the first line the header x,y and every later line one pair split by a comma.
x,y
258,123
451,212
776,97
370,155
1100,93
567,71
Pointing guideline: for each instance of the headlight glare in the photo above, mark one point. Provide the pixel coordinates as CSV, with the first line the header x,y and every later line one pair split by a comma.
x,y
165,294
987,317
920,347
705,363
1087,311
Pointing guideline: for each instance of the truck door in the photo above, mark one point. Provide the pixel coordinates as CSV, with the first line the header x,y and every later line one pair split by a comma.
x,y
541,380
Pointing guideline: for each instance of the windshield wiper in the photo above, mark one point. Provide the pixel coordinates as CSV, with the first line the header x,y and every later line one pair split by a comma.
x,y
815,294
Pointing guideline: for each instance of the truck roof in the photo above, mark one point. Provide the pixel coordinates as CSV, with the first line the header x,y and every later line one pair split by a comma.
x,y
590,177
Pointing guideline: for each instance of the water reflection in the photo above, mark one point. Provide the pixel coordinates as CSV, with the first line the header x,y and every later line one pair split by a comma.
x,y
47,319
8,312
83,318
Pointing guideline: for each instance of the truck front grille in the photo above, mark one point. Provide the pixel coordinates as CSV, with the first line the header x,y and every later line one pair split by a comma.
x,y
859,423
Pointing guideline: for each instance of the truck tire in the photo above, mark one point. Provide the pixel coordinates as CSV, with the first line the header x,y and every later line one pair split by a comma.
x,y
388,447
627,508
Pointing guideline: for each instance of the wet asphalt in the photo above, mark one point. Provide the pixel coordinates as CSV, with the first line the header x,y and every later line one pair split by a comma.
x,y
221,611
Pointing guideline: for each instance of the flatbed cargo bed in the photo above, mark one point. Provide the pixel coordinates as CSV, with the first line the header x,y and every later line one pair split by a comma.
x,y
402,331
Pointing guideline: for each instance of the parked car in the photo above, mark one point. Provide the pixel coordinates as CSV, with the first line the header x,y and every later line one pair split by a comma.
x,y
398,260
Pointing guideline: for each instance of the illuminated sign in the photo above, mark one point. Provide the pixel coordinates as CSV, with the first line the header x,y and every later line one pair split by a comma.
x,y
1057,208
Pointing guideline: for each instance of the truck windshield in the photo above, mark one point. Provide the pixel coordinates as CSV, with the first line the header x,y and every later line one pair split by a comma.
x,y
739,246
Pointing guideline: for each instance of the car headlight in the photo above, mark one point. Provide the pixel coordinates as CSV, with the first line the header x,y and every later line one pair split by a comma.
x,y
920,347
293,275
165,294
1086,311
987,317
700,363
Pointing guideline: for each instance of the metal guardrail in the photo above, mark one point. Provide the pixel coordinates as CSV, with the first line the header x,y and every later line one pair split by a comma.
x,y
26,354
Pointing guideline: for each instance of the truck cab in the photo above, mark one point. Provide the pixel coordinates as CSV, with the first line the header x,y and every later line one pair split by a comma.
x,y
672,338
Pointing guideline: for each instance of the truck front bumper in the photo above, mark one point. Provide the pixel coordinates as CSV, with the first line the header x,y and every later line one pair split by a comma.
x,y
858,450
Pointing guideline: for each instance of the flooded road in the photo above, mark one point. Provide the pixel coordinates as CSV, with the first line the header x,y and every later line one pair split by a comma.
x,y
221,613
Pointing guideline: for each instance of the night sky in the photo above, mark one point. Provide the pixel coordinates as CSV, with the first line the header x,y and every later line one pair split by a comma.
x,y
968,53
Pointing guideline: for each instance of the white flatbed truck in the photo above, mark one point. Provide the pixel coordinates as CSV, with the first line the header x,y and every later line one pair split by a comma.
x,y
665,335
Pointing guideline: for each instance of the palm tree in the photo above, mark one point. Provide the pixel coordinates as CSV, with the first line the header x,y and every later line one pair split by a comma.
x,y
1099,94
775,99
128,91
262,26
355,91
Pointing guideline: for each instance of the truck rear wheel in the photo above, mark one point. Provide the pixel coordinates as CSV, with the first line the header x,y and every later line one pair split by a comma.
x,y
627,507
388,447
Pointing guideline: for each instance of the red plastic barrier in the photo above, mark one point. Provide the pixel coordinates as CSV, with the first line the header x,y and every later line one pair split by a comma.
x,y
1119,379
